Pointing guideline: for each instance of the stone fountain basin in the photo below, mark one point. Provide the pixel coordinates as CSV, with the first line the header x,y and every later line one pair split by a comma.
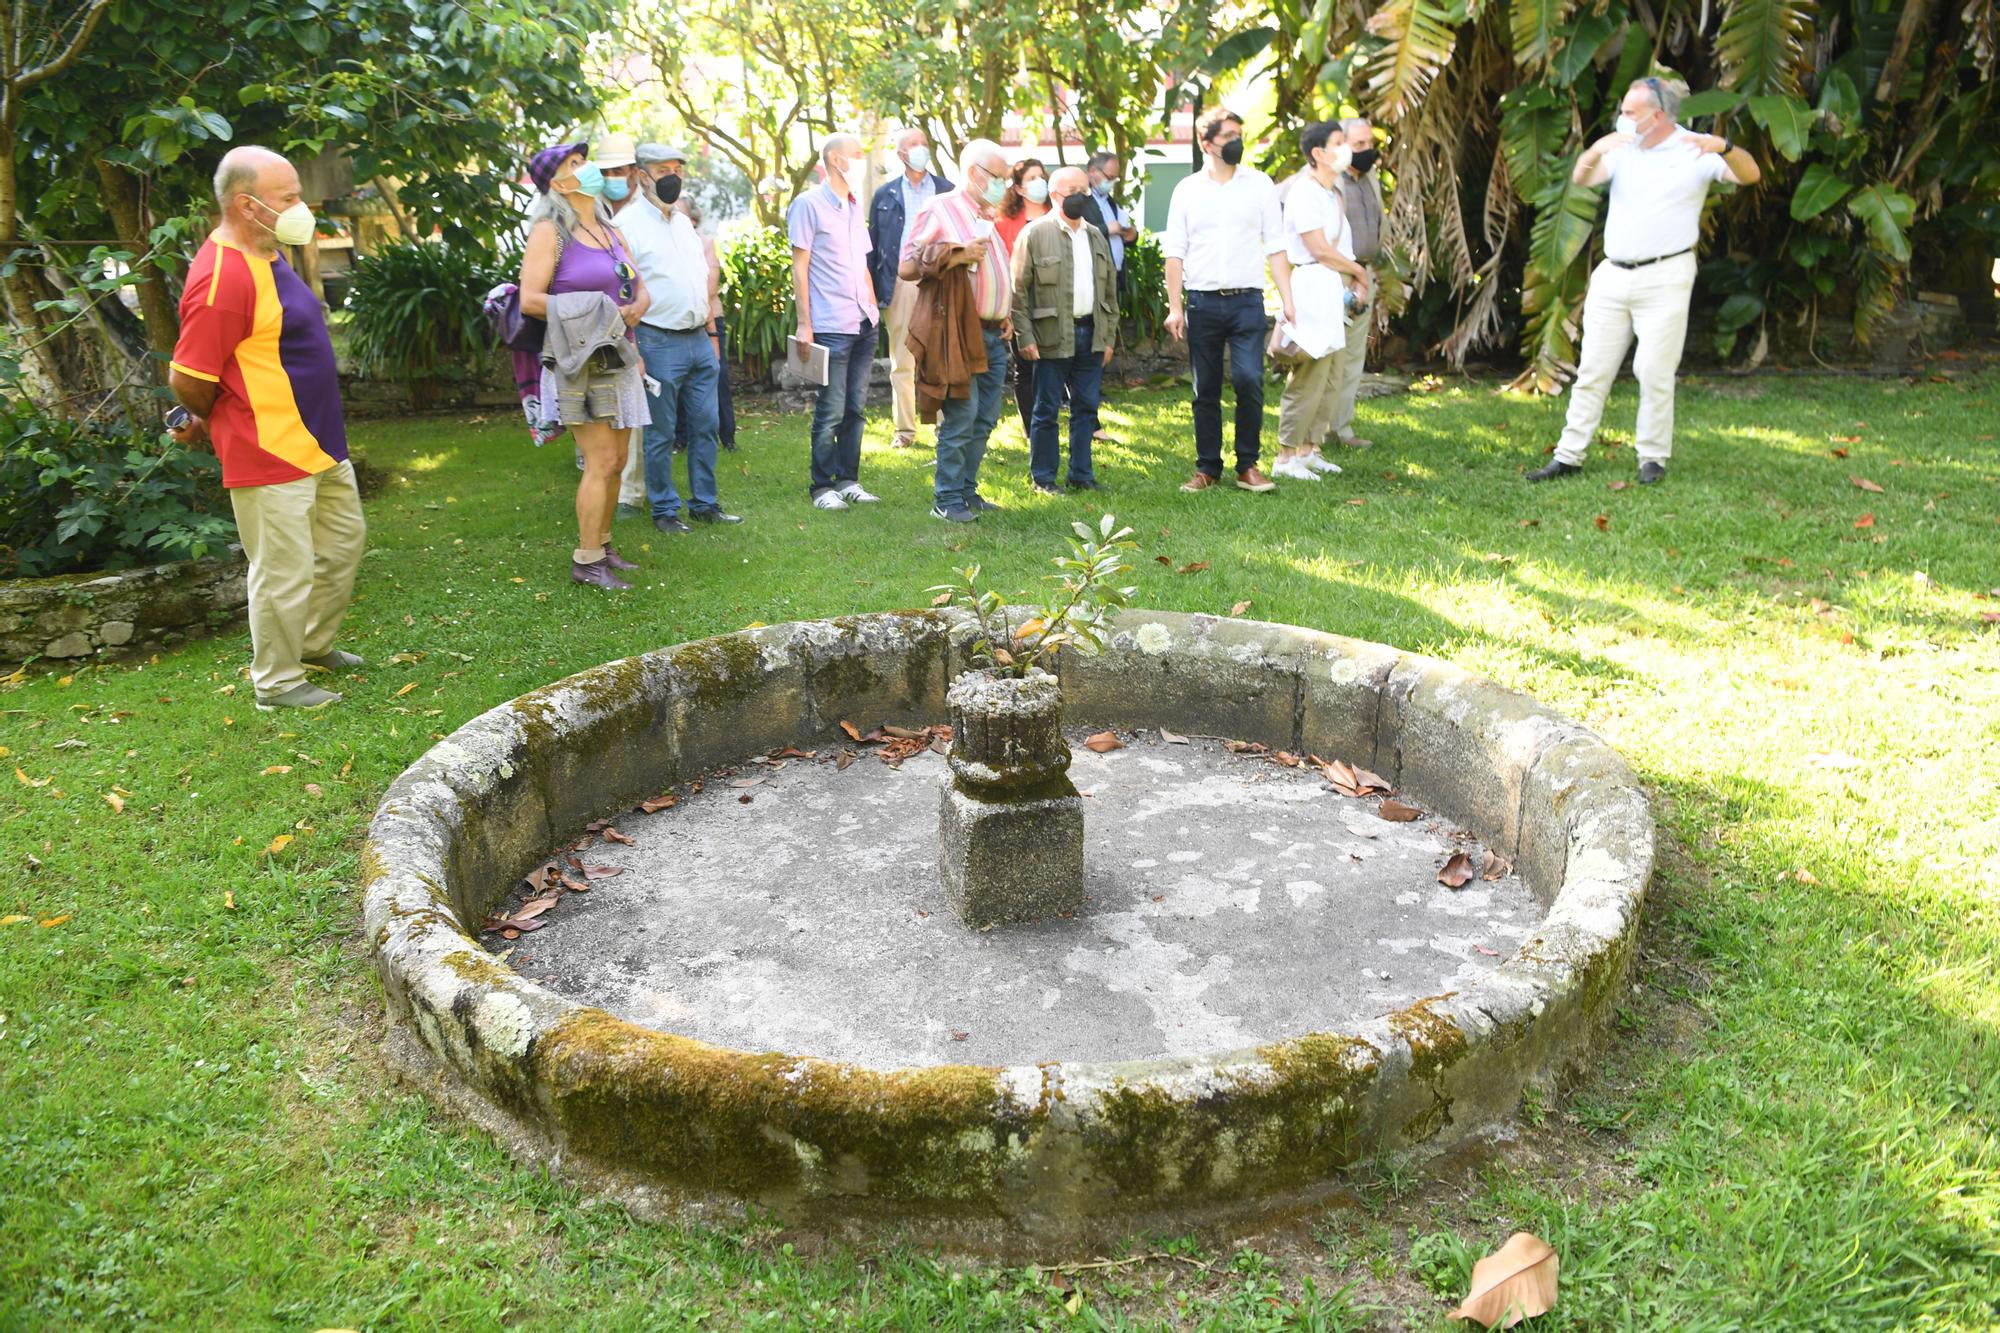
x,y
1036,1153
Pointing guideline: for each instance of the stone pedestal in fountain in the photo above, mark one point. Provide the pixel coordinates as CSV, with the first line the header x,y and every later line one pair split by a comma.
x,y
1010,824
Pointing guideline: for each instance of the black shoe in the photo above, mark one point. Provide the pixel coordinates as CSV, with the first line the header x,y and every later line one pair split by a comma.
x,y
1087,484
1555,470
1047,487
955,514
730,445
1650,472
712,516
981,505
672,523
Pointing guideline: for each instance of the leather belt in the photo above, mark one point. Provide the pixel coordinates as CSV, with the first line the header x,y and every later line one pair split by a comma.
x,y
1642,263
1227,291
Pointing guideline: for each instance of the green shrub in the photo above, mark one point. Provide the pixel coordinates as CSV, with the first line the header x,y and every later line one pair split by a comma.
x,y
75,498
1145,299
757,295
417,313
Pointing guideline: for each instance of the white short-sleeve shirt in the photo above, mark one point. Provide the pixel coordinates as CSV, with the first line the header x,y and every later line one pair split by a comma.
x,y
667,252
1308,208
1657,196
1221,230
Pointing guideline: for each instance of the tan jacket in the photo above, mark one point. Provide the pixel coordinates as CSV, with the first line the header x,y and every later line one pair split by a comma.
x,y
1043,277
945,336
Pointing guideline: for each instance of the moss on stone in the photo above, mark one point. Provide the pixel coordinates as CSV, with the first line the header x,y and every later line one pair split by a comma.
x,y
713,1118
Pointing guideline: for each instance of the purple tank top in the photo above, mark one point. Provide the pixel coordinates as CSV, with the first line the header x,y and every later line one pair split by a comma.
x,y
585,268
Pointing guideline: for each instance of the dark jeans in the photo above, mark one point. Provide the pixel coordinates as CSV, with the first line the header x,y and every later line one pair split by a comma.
x,y
836,428
1236,323
1081,376
1024,387
725,407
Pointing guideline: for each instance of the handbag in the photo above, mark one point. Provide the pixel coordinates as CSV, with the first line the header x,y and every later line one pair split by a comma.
x,y
511,327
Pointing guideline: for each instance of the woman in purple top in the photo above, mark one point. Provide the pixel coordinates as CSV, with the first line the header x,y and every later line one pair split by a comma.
x,y
573,247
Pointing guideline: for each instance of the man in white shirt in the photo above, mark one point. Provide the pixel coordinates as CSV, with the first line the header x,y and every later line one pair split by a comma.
x,y
674,335
1222,225
1659,175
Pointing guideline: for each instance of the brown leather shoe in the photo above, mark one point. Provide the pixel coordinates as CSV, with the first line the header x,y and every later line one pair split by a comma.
x,y
1250,479
1200,481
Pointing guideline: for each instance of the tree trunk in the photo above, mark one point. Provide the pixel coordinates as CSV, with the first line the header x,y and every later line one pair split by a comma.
x,y
156,304
17,292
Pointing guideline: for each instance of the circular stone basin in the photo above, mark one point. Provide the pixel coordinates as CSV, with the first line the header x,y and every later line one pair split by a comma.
x,y
757,1012
1231,901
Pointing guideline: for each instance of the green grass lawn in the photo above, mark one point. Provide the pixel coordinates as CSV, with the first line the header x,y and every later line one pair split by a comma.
x,y
1798,1124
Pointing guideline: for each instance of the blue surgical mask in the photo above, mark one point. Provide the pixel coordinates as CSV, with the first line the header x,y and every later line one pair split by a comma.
x,y
589,180
616,188
996,189
919,158
1036,190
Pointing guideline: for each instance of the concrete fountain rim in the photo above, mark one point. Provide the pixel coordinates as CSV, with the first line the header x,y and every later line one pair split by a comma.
x,y
973,1152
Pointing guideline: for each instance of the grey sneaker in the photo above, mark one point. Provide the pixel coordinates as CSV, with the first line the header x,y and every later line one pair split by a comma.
x,y
335,660
305,695
629,511
954,514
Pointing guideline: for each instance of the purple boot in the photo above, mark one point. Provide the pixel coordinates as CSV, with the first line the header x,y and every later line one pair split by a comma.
x,y
615,560
598,574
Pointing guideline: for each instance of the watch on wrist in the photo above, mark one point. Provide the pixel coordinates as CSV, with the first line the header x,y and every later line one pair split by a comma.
x,y
1728,147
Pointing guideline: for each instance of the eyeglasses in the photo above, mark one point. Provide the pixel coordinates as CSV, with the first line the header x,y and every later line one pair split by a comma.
x,y
627,276
1659,93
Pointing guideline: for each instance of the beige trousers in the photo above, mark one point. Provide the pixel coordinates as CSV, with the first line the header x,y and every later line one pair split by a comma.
x,y
1308,389
902,361
1338,420
303,539
1649,304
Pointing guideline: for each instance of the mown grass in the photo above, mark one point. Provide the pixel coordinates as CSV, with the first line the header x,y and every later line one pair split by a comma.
x,y
1796,1127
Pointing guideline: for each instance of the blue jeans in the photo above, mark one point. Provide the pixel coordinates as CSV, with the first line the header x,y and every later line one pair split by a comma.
x,y
1237,323
964,426
684,364
836,428
1081,376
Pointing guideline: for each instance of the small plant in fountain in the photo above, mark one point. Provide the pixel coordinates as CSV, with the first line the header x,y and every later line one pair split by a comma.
x,y
1074,616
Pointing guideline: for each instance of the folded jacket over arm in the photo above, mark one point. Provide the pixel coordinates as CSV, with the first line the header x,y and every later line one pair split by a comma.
x,y
944,335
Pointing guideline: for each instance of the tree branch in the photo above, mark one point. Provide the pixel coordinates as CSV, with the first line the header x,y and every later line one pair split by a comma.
x,y
55,65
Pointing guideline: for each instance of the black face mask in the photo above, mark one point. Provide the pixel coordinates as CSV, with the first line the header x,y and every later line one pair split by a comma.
x,y
1364,161
669,188
1232,152
1073,206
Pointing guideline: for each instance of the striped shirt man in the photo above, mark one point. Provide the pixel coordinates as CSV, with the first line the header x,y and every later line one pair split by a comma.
x,y
955,217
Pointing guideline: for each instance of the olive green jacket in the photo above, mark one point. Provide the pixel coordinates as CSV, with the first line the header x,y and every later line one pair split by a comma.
x,y
1043,289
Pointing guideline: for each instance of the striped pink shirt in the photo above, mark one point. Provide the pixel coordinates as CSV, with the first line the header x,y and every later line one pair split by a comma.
x,y
955,217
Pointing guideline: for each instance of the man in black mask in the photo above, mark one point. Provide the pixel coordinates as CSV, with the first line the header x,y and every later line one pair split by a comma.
x,y
1361,198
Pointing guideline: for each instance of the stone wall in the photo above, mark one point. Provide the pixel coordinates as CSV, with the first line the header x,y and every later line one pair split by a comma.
x,y
78,616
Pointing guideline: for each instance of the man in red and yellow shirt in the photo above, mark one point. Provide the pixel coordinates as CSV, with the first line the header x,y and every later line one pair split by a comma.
x,y
255,366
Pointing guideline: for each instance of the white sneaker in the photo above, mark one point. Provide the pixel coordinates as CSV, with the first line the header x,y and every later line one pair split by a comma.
x,y
1294,470
829,500
1320,463
854,495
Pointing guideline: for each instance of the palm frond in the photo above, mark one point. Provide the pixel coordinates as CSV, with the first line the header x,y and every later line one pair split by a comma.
x,y
1535,24
1761,46
1418,39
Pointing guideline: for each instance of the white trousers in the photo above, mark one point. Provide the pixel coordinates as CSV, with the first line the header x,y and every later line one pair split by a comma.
x,y
1651,304
1339,421
902,361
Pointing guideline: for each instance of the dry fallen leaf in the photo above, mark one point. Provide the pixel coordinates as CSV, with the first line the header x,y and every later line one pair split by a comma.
x,y
1865,521
275,769
613,835
1619,485
604,872
27,781
278,844
1396,812
1351,781
1864,484
1603,522
229,899
1457,872
54,921
1172,737
747,782
1239,608
1163,560
12,919
405,690
1494,866
1104,742
842,760
115,801
959,1036
942,599
1194,568
1490,953
1515,1282
664,801
533,908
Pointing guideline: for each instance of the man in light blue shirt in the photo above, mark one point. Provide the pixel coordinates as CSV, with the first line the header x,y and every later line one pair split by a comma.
x,y
1105,170
837,309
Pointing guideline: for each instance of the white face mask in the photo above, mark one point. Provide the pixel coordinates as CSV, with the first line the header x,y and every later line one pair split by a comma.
x,y
295,225
919,158
1626,125
856,176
